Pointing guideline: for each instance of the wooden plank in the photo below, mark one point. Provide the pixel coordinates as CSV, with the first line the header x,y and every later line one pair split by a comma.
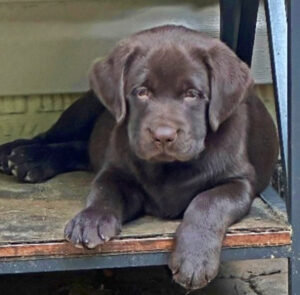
x,y
35,213
118,246
32,218
50,45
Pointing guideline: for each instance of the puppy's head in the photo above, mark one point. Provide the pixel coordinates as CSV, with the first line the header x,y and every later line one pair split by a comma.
x,y
174,85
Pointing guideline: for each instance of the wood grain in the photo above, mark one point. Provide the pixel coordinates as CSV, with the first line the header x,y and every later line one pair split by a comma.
x,y
33,216
34,213
157,244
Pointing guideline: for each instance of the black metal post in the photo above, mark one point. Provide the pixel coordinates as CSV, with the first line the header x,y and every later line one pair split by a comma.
x,y
294,141
230,12
244,50
237,26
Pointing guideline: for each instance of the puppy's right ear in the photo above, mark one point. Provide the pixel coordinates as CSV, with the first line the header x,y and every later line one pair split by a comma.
x,y
108,77
230,81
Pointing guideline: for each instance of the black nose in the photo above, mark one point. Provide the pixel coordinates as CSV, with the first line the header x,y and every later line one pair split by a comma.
x,y
164,134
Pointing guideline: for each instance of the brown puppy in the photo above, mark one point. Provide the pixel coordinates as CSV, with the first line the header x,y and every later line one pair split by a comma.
x,y
187,137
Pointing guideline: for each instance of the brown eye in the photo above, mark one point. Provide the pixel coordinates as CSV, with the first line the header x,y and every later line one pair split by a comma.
x,y
192,95
142,93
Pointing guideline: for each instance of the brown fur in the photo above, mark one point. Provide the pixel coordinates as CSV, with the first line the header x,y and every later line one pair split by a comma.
x,y
183,134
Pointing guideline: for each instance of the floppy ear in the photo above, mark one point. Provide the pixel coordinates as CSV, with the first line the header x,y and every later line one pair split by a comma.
x,y
107,79
230,80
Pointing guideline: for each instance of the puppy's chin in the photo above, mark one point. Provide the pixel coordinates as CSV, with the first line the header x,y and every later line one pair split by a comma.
x,y
162,158
167,157
155,157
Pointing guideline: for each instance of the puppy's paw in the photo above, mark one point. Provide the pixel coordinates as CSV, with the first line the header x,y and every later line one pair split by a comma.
x,y
92,227
31,163
196,258
6,150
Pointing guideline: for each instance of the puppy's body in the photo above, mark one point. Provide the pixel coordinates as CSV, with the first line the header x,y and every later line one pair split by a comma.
x,y
182,134
167,189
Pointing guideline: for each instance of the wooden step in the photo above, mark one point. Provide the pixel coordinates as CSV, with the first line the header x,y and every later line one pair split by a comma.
x,y
33,216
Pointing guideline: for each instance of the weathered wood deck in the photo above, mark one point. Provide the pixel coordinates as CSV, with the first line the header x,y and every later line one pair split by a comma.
x,y
33,216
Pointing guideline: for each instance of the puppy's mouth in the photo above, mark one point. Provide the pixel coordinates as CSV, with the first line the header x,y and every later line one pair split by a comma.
x,y
180,153
171,156
163,157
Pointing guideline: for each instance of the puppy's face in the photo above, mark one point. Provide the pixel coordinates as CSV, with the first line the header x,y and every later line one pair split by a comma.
x,y
167,95
171,83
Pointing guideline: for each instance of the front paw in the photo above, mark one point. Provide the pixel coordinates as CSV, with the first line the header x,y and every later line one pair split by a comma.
x,y
196,258
92,227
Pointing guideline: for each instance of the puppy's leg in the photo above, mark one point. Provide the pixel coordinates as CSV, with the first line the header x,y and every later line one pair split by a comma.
x,y
76,122
195,260
113,200
74,125
38,162
6,150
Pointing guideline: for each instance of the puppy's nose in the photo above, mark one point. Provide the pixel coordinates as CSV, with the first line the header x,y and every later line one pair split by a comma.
x,y
164,134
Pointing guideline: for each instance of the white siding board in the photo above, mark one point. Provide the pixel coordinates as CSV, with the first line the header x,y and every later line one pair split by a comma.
x,y
48,46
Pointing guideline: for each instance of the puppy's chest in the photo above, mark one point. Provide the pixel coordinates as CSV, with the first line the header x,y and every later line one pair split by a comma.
x,y
169,192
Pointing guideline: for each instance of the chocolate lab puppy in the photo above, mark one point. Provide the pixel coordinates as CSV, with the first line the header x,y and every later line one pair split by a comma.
x,y
173,128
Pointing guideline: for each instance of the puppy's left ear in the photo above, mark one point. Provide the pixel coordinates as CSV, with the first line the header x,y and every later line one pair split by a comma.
x,y
230,80
107,79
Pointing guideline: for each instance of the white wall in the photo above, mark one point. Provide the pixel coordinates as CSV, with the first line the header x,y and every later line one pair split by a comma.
x,y
47,46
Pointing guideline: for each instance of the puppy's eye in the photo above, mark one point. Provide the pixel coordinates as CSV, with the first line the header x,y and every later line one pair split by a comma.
x,y
142,93
192,95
